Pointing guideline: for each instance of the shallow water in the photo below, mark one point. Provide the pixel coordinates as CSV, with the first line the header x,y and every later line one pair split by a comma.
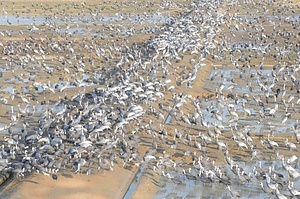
x,y
35,110
198,189
8,89
80,20
134,183
261,124
168,120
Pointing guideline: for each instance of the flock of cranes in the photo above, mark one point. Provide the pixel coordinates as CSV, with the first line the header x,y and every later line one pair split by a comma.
x,y
120,92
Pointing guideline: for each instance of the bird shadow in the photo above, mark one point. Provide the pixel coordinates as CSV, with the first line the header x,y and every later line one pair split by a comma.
x,y
148,174
31,181
66,175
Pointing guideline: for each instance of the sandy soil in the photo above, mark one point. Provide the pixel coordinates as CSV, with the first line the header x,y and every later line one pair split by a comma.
x,y
105,184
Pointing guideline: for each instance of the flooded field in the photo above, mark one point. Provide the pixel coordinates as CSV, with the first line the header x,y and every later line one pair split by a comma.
x,y
189,188
162,99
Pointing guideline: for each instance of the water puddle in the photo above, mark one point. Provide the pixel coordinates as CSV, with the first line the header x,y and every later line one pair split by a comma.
x,y
53,108
197,189
4,128
134,183
295,18
168,120
8,89
80,20
258,123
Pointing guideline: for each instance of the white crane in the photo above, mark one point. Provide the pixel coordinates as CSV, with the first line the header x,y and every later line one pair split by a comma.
x,y
272,143
241,144
291,146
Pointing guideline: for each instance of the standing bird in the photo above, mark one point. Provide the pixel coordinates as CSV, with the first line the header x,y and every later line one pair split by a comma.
x,y
284,119
197,144
279,195
24,100
12,94
240,144
54,176
291,146
234,194
272,143
293,191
